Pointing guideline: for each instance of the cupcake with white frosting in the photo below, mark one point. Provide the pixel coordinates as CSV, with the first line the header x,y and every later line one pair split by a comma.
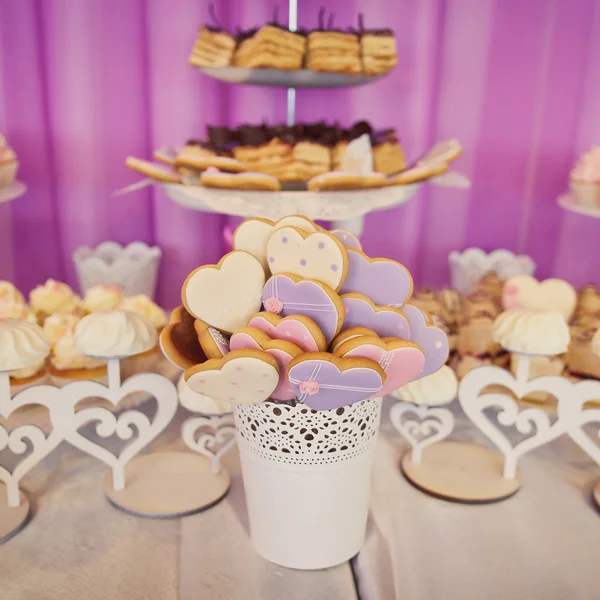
x,y
102,297
23,351
59,326
9,294
529,331
199,403
53,297
8,164
436,389
585,179
17,310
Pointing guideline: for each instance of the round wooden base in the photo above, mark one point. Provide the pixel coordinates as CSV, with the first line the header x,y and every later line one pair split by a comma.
x,y
461,472
12,520
169,484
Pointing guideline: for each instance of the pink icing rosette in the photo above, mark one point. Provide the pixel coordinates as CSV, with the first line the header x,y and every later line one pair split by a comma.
x,y
273,305
309,387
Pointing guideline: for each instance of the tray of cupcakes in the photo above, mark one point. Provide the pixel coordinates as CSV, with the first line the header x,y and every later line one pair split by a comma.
x,y
320,170
58,309
274,55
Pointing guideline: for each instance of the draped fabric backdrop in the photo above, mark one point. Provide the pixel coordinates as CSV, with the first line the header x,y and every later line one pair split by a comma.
x,y
84,83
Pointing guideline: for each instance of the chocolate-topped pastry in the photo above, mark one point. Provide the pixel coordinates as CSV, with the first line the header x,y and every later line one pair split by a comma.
x,y
252,135
214,46
388,155
314,131
378,49
219,137
288,134
360,128
332,50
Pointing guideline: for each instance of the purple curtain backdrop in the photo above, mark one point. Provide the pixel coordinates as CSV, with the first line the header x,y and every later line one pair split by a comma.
x,y
83,84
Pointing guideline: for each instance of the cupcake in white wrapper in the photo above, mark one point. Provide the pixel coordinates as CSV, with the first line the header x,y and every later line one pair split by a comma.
x,y
436,389
307,476
585,179
133,268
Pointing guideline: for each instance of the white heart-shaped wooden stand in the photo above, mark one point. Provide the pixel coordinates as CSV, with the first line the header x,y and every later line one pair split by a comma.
x,y
214,443
68,420
14,504
433,424
575,416
530,421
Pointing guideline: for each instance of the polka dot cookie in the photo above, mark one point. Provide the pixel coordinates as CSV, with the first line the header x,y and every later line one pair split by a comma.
x,y
318,256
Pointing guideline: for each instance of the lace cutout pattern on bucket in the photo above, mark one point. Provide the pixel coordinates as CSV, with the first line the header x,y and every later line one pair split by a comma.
x,y
297,435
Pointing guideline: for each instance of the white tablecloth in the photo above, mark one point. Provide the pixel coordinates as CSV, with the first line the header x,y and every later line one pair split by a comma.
x,y
542,544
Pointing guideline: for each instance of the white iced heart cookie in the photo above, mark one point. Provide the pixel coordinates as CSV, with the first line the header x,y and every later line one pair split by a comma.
x,y
225,295
319,255
525,291
252,235
241,377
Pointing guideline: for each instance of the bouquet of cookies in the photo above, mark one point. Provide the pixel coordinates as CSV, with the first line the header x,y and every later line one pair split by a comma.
x,y
296,313
273,46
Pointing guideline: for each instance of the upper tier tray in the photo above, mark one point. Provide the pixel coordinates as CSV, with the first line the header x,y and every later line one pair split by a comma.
x,y
567,202
302,78
13,191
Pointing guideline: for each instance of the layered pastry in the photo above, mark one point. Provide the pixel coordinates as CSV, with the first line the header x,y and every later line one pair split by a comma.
x,y
214,47
491,285
8,164
102,297
53,297
529,331
539,366
588,301
377,49
23,350
469,362
272,46
584,179
333,50
436,389
388,156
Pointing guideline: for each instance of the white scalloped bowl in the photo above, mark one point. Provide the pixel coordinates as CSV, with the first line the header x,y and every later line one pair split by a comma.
x,y
469,266
133,268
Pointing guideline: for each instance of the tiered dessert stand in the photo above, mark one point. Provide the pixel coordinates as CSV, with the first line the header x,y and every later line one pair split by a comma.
x,y
347,209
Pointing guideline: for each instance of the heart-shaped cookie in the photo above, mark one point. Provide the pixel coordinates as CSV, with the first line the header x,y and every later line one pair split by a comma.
x,y
432,340
347,238
179,339
213,343
383,320
324,382
283,351
317,255
402,361
349,334
384,281
287,294
252,235
225,295
297,329
240,377
525,291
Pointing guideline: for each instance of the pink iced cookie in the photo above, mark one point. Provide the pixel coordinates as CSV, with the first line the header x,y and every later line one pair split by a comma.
x,y
282,350
298,329
402,361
